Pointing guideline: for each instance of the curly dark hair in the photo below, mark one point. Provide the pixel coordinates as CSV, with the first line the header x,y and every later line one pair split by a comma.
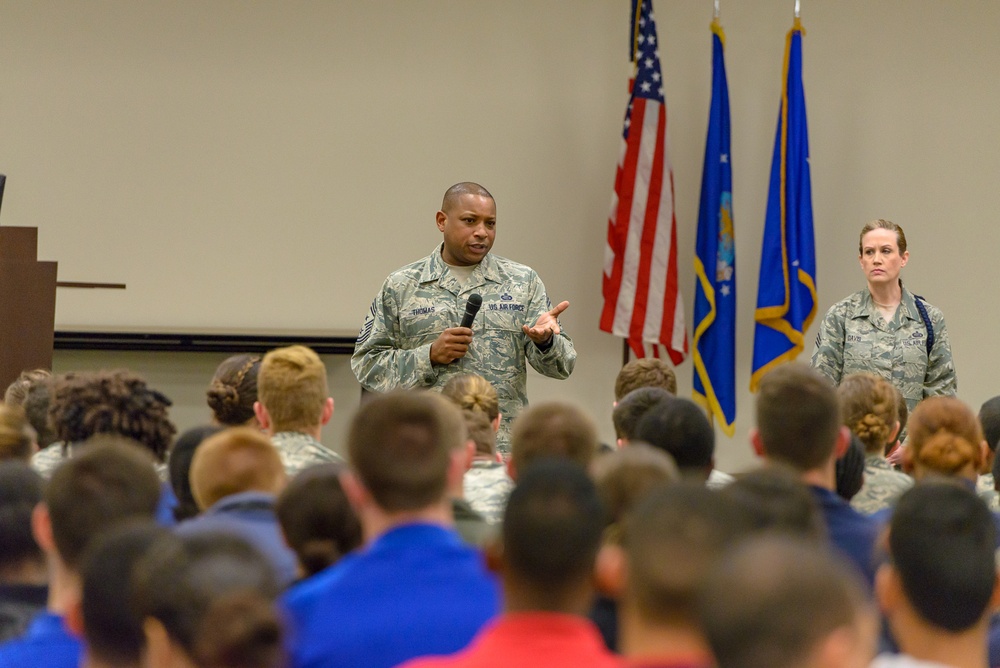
x,y
111,402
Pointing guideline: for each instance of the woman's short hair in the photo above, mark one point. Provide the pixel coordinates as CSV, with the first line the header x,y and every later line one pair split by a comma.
x,y
472,392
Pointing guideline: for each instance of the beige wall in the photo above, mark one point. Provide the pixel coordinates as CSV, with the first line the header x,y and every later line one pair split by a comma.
x,y
266,164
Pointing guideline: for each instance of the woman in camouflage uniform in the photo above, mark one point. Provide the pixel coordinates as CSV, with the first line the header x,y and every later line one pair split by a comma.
x,y
885,329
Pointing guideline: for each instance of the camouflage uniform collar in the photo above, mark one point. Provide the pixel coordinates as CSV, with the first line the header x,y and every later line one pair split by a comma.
x,y
866,306
435,270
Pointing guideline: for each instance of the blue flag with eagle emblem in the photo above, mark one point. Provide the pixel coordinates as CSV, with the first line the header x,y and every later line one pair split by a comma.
x,y
786,293
715,259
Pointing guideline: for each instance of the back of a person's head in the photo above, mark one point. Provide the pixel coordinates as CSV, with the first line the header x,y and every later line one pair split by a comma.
x,y
945,438
17,438
20,492
213,596
552,529
316,518
481,432
233,390
645,372
849,470
470,391
400,446
798,416
671,540
778,502
111,402
292,386
235,460
17,391
630,409
553,429
625,476
941,544
36,409
774,600
96,489
868,409
679,428
179,465
113,635
989,420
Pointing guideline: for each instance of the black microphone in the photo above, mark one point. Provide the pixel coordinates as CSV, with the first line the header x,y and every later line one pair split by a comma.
x,y
471,309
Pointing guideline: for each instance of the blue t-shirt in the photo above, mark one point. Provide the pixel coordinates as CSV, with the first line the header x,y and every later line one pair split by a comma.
x,y
417,590
46,643
850,532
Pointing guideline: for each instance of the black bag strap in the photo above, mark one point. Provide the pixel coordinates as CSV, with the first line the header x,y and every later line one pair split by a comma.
x,y
919,301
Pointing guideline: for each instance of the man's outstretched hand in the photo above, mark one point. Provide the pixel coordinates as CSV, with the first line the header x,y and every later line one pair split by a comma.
x,y
547,325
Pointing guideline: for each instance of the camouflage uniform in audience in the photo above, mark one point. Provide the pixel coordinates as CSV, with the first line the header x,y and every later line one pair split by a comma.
x,y
986,491
48,459
486,487
424,298
882,487
300,451
854,337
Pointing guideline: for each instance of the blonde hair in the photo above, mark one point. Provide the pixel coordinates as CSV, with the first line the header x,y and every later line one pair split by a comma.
x,y
472,392
645,372
17,438
868,408
481,432
291,385
945,436
881,224
238,459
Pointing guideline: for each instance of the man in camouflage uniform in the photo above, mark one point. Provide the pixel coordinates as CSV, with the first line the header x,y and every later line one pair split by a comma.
x,y
854,337
410,338
293,405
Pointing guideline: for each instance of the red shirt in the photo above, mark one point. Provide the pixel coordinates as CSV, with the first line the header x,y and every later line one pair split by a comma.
x,y
526,639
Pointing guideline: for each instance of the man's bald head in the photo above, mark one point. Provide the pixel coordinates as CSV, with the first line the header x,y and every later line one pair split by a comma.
x,y
453,194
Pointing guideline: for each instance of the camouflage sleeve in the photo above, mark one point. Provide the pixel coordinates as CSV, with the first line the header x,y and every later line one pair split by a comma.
x,y
828,357
558,360
940,378
380,360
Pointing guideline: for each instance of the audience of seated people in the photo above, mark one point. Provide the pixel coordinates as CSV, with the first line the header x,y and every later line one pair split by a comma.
x,y
773,568
293,404
98,488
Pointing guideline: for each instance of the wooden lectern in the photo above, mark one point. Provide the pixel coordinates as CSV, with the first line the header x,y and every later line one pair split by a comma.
x,y
27,304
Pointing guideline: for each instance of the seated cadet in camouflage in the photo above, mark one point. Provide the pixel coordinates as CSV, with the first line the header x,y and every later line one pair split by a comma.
x,y
486,483
868,409
292,406
885,329
411,337
989,419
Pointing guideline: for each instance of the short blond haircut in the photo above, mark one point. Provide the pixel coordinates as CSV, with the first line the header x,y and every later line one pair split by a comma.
x,y
472,392
239,459
291,385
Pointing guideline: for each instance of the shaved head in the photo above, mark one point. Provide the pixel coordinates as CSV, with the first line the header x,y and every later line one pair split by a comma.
x,y
452,195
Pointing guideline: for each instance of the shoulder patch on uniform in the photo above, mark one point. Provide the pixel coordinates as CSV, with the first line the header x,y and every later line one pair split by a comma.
x,y
368,325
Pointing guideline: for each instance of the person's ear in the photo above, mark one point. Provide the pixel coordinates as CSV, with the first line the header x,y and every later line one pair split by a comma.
x,y
757,442
74,617
41,528
493,554
496,422
894,434
327,411
470,453
904,257
441,218
511,469
610,570
843,442
357,494
263,419
159,651
888,589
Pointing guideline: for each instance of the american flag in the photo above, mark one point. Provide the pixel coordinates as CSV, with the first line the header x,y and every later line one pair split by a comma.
x,y
641,299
